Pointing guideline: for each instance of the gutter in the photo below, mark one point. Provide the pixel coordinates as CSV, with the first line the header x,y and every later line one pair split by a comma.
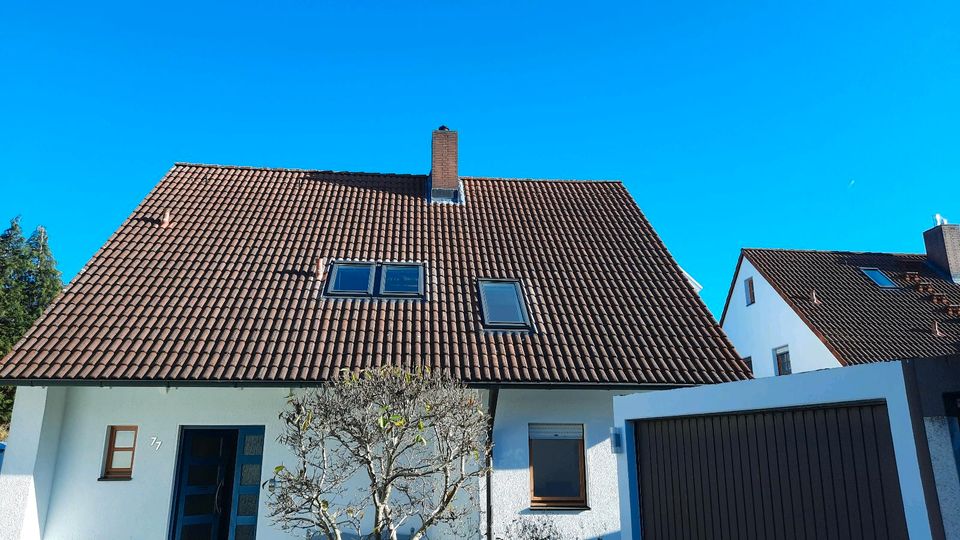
x,y
494,397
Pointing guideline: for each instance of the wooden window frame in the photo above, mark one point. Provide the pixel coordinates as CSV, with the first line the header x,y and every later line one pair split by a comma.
x,y
776,360
559,502
116,473
750,291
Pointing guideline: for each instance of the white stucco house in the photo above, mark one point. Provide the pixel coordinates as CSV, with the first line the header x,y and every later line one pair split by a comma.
x,y
148,392
791,311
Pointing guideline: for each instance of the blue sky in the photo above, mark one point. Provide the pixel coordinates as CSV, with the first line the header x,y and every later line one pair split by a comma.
x,y
755,124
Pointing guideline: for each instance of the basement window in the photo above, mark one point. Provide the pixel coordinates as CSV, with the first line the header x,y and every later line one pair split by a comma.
x,y
401,280
879,278
118,462
503,305
557,472
351,279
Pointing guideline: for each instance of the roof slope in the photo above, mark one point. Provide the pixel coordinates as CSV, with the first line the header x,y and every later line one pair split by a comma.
x,y
859,321
228,291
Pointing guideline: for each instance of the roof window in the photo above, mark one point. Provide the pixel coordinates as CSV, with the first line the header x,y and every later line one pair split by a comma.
x,y
351,279
503,305
879,278
401,280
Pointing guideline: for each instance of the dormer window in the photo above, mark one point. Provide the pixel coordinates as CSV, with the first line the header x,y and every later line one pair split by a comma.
x,y
401,280
351,279
503,305
879,278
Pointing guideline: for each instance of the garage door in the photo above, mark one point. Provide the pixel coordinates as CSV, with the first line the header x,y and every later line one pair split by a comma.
x,y
817,473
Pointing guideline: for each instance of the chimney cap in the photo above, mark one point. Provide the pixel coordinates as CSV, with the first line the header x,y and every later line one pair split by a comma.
x,y
443,128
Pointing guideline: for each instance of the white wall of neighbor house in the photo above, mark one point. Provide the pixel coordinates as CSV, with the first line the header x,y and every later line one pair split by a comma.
x,y
516,410
769,323
883,381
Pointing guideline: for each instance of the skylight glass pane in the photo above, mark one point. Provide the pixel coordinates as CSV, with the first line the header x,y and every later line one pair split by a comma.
x,y
503,303
352,278
879,278
402,279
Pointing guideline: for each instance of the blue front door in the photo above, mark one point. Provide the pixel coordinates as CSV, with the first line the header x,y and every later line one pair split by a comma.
x,y
218,484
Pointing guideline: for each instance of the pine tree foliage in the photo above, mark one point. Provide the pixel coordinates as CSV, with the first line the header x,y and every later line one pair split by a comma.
x,y
29,281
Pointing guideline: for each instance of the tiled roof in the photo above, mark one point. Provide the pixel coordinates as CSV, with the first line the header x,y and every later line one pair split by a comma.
x,y
859,321
228,291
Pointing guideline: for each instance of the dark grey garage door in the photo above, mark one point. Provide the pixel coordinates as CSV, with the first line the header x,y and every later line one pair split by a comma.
x,y
818,473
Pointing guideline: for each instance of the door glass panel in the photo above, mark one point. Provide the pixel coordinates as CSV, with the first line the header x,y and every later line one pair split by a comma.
x,y
247,505
205,446
122,459
250,474
202,475
123,439
253,445
245,532
197,532
196,505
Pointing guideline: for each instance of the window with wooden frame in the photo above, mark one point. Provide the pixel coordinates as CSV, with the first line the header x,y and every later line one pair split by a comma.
x,y
557,469
748,291
781,358
118,462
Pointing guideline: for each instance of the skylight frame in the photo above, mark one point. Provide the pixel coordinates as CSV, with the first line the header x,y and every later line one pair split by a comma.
x,y
382,280
872,272
335,269
526,324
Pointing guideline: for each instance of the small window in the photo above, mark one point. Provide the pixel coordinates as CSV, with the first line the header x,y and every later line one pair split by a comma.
x,y
121,442
879,278
748,291
401,280
781,356
503,305
351,279
749,362
557,473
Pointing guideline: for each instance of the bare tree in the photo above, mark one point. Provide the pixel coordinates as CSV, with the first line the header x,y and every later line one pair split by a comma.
x,y
408,447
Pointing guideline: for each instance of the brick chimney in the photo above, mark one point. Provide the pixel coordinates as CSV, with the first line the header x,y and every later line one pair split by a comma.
x,y
444,180
943,248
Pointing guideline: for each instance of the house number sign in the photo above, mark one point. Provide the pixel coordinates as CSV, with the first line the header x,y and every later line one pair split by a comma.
x,y
155,443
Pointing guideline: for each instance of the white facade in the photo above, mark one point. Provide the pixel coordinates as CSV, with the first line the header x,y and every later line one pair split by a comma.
x,y
882,381
758,329
50,487
511,460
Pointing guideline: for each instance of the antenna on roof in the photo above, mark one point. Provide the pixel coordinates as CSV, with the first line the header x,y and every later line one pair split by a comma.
x,y
165,220
813,298
940,220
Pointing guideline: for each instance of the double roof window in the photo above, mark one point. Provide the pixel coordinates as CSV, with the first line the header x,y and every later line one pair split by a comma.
x,y
382,280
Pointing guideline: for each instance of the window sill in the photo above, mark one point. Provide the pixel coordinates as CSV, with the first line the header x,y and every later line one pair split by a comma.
x,y
114,478
555,508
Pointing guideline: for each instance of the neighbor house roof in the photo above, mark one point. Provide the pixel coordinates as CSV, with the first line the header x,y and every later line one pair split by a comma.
x,y
228,291
856,319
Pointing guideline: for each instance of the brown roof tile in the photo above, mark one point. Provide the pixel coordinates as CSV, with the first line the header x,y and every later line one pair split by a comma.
x,y
859,321
228,290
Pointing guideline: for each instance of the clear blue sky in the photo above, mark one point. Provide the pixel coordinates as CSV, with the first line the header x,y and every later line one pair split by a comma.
x,y
733,124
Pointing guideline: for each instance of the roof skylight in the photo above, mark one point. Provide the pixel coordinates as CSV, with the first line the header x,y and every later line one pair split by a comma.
x,y
879,278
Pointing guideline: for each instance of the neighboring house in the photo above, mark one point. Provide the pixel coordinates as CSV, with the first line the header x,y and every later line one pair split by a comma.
x,y
792,311
229,287
863,452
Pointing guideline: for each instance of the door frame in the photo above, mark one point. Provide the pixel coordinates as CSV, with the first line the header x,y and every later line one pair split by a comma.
x,y
178,462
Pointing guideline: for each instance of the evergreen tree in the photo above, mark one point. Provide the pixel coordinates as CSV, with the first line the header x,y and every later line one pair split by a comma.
x,y
29,281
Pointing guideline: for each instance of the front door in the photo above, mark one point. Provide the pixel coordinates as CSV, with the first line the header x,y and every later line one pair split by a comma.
x,y
218,482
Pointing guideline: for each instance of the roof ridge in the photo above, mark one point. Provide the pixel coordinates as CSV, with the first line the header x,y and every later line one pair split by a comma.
x,y
790,250
292,169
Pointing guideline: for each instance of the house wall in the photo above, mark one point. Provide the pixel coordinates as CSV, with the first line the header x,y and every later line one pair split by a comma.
x,y
82,507
517,409
882,381
756,330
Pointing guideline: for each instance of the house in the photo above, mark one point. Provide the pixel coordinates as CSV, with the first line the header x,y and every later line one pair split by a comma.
x,y
794,310
230,287
863,452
